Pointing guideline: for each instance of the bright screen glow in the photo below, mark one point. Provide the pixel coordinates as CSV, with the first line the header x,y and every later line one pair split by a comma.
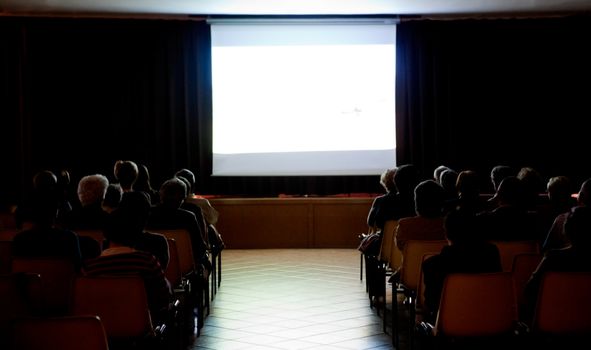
x,y
303,99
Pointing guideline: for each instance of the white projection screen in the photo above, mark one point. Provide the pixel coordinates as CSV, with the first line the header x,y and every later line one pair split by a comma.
x,y
303,99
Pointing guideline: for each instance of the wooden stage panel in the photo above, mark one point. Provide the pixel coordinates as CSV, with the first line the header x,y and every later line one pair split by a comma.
x,y
251,223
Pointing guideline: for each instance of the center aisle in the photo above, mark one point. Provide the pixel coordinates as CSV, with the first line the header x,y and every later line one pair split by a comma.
x,y
286,299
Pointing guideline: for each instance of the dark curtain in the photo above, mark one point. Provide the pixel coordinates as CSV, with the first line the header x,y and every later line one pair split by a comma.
x,y
79,94
472,94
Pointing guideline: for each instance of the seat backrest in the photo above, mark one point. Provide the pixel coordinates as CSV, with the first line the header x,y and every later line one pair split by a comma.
x,y
421,286
564,304
387,243
412,258
524,264
5,256
57,275
119,301
477,305
59,333
184,247
508,250
19,297
173,270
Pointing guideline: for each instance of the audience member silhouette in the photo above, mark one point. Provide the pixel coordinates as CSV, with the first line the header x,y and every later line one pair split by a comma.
x,y
43,239
576,257
384,207
428,222
469,199
556,237
44,186
121,259
497,175
533,186
63,192
560,200
510,221
143,183
168,214
195,209
90,214
126,173
448,180
137,209
437,173
406,179
112,198
209,212
466,253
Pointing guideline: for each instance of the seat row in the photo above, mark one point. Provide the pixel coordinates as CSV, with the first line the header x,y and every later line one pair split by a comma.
x,y
59,281
518,259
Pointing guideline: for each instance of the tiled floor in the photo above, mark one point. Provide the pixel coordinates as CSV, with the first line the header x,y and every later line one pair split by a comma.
x,y
292,299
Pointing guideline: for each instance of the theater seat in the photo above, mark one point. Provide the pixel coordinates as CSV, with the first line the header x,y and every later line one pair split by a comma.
x,y
59,333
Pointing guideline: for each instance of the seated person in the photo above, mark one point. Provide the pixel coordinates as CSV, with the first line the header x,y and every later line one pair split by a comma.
x,y
466,253
210,214
137,205
43,239
90,214
384,207
44,185
122,259
428,222
169,215
576,257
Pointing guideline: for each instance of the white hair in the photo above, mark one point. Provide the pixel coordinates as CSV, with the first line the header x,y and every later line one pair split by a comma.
x,y
92,189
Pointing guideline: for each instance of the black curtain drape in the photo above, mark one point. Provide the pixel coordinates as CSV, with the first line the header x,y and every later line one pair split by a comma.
x,y
78,94
472,94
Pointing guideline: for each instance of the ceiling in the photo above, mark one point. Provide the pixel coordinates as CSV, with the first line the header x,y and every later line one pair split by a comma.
x,y
290,7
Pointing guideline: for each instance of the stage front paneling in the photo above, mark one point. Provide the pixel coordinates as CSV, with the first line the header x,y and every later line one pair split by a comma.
x,y
318,222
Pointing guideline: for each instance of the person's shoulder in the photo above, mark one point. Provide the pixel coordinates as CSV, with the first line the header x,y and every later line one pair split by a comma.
x,y
155,236
433,261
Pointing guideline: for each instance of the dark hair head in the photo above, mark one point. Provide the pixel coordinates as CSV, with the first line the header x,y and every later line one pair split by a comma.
x,y
113,195
45,180
126,173
559,188
406,178
467,184
189,176
510,191
429,198
173,192
142,182
498,173
448,180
